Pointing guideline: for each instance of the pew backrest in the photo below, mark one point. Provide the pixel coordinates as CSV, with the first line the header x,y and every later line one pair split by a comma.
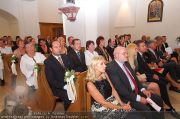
x,y
46,101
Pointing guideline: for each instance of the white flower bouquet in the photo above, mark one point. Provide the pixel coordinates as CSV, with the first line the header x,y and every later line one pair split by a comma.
x,y
69,75
13,66
70,87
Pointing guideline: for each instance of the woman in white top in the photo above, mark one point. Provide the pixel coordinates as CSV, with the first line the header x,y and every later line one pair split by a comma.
x,y
28,62
90,53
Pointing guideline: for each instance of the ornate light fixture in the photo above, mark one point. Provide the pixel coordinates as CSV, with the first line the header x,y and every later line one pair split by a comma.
x,y
70,10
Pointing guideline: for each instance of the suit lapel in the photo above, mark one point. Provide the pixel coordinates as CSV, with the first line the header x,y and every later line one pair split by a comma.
x,y
76,57
57,62
125,80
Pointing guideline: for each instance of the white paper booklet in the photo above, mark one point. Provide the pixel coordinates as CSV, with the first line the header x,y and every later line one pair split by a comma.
x,y
154,105
169,50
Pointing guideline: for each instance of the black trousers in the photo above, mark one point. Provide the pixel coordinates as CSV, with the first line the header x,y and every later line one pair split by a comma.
x,y
162,83
173,69
147,110
63,97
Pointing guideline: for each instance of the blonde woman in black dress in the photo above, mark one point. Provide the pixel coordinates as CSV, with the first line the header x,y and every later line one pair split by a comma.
x,y
106,102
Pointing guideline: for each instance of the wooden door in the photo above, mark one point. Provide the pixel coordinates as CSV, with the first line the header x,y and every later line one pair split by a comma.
x,y
51,29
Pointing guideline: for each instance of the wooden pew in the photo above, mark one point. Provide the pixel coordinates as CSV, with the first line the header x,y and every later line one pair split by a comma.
x,y
7,62
80,104
46,101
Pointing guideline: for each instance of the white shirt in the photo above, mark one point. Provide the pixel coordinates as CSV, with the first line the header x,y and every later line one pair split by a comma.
x,y
130,81
27,66
6,50
89,55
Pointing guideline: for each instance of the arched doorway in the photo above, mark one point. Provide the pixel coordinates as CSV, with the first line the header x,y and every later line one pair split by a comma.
x,y
8,24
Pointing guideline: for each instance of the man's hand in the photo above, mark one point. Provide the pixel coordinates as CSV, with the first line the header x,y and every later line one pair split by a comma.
x,y
147,93
143,101
156,77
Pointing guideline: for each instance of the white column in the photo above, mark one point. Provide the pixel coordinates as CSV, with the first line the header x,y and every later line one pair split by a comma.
x,y
86,27
28,18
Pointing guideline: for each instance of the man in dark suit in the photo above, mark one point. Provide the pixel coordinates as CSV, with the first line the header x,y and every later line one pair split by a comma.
x,y
127,85
55,68
171,69
110,47
77,56
70,47
152,76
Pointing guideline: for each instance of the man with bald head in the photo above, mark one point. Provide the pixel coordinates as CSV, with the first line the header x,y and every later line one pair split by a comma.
x,y
55,67
127,85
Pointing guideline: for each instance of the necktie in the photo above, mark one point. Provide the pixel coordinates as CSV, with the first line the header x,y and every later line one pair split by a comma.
x,y
143,58
34,60
132,78
61,61
79,55
154,54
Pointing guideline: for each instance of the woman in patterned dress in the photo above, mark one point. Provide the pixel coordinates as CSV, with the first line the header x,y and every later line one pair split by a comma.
x,y
106,102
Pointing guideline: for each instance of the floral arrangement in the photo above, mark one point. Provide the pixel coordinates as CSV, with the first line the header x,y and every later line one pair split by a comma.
x,y
69,75
70,86
1,55
36,67
178,39
13,59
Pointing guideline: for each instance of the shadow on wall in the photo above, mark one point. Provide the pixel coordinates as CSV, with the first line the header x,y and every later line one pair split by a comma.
x,y
9,24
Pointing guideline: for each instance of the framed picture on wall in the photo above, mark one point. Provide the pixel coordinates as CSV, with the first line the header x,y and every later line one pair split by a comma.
x,y
155,11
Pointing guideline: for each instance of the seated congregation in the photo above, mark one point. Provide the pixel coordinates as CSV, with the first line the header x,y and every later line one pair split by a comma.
x,y
124,79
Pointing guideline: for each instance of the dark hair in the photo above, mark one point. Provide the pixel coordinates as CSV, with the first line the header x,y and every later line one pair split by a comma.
x,y
89,42
98,40
138,42
150,42
109,41
50,45
158,38
74,40
17,37
28,40
41,39
69,38
19,40
129,35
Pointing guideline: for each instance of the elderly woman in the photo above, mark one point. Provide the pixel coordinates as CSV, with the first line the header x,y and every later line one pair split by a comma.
x,y
28,62
105,97
132,57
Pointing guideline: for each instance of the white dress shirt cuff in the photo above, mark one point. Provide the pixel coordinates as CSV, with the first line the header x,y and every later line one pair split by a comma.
x,y
138,98
143,89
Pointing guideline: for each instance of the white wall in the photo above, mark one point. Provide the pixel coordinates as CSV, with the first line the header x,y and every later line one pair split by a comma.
x,y
169,26
103,19
4,27
26,13
48,11
92,21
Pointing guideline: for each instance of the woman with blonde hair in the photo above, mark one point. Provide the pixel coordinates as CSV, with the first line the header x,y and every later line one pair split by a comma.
x,y
105,97
132,58
63,45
